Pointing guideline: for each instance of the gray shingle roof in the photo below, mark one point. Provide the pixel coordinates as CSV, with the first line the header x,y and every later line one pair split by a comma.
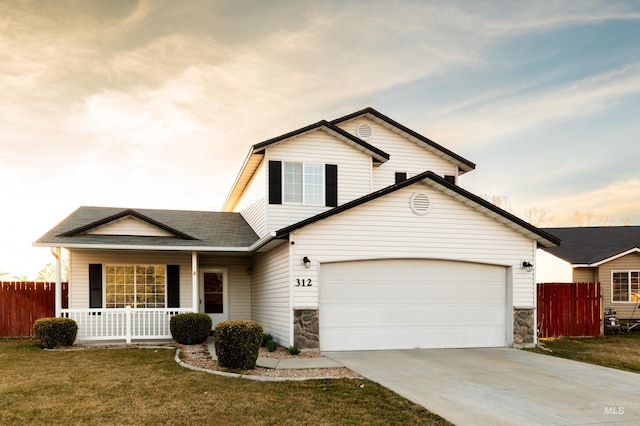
x,y
588,245
205,229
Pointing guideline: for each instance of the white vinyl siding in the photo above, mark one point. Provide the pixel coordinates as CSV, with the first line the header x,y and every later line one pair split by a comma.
x,y
318,147
406,155
270,304
252,205
79,271
130,226
450,231
552,269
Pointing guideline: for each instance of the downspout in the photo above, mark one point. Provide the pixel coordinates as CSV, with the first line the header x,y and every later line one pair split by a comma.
x,y
55,251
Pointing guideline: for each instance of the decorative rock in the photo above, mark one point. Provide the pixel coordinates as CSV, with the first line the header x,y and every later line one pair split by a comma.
x,y
524,327
306,328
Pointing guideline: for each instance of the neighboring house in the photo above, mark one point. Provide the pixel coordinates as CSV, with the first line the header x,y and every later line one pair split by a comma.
x,y
609,254
344,235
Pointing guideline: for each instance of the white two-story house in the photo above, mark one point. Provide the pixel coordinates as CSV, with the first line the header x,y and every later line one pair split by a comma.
x,y
348,234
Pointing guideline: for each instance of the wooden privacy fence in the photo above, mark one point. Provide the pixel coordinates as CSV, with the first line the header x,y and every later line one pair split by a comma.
x,y
569,309
22,303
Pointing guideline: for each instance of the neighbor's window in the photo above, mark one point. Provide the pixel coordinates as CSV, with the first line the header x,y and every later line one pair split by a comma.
x,y
625,286
303,183
138,286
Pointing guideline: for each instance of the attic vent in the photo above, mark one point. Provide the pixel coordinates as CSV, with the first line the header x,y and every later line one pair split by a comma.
x,y
419,203
364,131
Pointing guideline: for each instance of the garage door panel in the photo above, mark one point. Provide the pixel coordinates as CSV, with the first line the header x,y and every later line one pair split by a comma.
x,y
400,304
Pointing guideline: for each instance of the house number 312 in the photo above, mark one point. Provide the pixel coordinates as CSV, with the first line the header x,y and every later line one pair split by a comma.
x,y
303,282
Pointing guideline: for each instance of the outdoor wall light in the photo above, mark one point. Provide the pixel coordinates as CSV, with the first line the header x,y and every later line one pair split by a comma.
x,y
306,262
250,270
528,266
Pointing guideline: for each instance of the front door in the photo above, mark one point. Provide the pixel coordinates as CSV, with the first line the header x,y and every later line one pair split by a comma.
x,y
214,295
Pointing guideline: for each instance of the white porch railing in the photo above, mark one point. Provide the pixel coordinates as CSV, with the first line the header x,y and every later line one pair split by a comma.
x,y
123,323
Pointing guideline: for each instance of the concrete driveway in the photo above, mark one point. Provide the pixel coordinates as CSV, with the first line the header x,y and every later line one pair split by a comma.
x,y
503,386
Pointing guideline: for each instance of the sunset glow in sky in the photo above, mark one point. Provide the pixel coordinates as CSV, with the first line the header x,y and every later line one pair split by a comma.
x,y
154,104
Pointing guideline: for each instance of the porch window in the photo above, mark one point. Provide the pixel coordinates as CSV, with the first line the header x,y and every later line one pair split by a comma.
x,y
138,286
625,286
304,183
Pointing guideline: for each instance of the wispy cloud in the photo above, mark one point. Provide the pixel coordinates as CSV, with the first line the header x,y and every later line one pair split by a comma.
x,y
508,113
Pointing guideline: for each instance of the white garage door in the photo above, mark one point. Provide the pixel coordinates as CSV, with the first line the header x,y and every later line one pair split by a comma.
x,y
405,304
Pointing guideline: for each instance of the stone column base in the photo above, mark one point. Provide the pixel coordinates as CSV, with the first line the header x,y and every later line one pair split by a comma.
x,y
306,329
524,327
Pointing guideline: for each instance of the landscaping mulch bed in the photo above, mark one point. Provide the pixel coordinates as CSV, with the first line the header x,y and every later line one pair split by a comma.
x,y
199,356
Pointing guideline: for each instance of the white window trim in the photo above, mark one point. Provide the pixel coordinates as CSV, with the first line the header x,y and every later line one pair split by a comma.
x,y
323,182
628,272
104,281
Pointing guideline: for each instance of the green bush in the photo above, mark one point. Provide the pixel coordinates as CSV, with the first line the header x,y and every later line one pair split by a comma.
x,y
272,345
190,328
266,338
293,350
56,332
237,343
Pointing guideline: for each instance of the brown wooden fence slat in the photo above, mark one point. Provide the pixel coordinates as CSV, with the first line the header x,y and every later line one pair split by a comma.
x,y
569,309
22,303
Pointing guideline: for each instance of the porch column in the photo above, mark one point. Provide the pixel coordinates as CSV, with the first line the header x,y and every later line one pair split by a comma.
x,y
194,290
58,290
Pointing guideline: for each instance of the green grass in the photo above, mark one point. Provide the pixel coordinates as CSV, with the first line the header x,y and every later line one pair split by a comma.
x,y
146,386
616,351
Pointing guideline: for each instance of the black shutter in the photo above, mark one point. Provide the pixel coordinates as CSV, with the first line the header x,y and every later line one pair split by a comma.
x,y
450,179
173,286
95,285
331,185
400,177
275,182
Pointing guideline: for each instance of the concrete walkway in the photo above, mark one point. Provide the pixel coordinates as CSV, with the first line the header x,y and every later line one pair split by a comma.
x,y
503,386
289,363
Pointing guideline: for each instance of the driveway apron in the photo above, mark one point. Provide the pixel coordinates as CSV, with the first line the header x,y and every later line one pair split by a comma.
x,y
503,386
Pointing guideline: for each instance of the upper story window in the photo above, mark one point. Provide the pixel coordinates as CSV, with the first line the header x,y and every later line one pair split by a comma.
x,y
303,183
625,286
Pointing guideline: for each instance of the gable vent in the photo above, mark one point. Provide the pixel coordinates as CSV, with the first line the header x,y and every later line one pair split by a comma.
x,y
419,203
364,131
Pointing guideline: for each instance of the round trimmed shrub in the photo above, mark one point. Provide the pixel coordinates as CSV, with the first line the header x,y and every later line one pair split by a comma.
x,y
190,328
237,343
56,332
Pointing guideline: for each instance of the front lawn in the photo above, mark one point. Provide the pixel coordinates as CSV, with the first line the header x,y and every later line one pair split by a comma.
x,y
146,386
616,351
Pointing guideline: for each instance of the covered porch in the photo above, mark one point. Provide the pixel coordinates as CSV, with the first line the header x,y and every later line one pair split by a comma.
x,y
214,283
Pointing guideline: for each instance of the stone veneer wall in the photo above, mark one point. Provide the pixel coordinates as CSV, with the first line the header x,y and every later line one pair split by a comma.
x,y
524,327
306,328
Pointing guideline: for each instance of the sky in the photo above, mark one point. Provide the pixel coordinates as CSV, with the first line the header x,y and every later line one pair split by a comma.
x,y
154,104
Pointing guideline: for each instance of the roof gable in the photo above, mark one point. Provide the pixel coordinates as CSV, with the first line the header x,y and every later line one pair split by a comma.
x,y
190,230
256,154
135,224
463,164
130,225
595,245
378,155
431,179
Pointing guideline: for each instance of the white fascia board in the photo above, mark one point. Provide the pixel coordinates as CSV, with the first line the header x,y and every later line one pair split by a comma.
x,y
237,188
251,248
140,247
